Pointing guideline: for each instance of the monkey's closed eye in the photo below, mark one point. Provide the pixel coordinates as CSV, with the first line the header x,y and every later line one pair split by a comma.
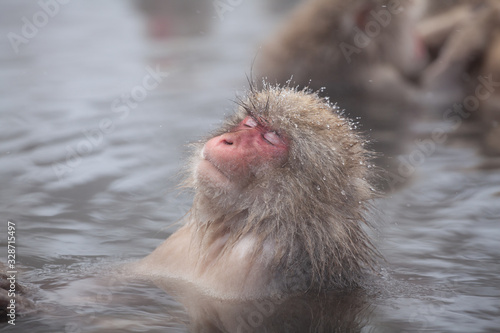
x,y
250,122
273,138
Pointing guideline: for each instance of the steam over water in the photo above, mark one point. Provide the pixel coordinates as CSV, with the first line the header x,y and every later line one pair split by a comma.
x,y
97,106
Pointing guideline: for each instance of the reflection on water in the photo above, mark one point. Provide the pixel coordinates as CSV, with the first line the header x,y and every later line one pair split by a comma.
x,y
334,312
90,152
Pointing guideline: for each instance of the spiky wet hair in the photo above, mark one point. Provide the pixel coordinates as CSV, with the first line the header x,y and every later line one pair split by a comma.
x,y
312,208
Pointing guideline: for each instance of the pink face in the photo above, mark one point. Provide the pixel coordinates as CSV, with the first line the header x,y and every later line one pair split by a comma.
x,y
235,157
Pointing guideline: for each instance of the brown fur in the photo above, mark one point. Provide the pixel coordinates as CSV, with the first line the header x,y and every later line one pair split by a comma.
x,y
470,49
307,47
441,18
462,44
490,108
304,221
438,7
23,303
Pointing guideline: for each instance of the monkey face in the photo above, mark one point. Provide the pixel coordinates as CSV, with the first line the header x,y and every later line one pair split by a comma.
x,y
233,159
280,144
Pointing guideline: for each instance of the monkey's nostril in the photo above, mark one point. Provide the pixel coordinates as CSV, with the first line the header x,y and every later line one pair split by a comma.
x,y
228,142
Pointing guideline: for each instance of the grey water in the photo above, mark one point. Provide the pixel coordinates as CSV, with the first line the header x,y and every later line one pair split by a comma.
x,y
99,100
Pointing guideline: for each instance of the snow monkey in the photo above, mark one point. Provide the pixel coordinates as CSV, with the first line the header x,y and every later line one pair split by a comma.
x,y
364,46
467,67
281,195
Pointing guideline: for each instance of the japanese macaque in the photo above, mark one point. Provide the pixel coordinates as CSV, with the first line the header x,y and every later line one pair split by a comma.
x,y
467,65
440,18
363,54
344,45
490,102
460,38
281,195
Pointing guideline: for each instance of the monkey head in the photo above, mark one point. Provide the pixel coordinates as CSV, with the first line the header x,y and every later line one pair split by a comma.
x,y
282,138
288,168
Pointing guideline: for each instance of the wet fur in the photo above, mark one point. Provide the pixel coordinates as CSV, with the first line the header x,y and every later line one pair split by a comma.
x,y
301,207
299,227
307,49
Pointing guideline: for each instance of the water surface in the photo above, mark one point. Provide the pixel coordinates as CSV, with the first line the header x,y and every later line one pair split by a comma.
x,y
90,157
